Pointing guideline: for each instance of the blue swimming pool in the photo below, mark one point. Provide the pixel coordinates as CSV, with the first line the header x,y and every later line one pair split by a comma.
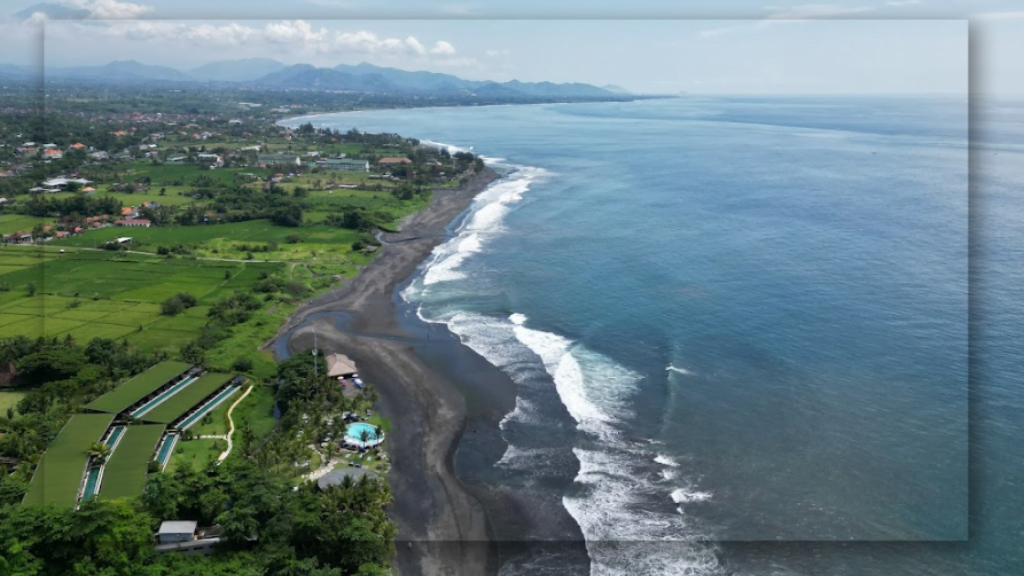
x,y
354,433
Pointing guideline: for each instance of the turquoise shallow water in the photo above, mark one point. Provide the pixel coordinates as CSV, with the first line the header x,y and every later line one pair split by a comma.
x,y
740,320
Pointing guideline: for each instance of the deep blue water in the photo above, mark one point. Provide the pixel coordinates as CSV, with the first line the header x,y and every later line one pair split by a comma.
x,y
746,320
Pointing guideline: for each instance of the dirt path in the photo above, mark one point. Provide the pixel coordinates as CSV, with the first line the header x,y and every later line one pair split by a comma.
x,y
231,425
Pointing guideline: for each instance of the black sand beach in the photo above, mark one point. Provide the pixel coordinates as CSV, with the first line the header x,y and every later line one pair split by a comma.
x,y
442,528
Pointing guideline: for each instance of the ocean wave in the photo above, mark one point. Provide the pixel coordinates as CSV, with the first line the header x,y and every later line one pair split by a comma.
x,y
679,370
484,222
685,496
666,460
609,511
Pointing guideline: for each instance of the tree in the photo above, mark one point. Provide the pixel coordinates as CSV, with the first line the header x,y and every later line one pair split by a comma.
x,y
99,452
31,289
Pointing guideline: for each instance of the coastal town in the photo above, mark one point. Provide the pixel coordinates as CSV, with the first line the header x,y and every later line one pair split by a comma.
x,y
148,264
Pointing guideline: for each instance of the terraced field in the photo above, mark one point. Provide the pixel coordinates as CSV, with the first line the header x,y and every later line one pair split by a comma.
x,y
187,398
59,473
138,387
125,473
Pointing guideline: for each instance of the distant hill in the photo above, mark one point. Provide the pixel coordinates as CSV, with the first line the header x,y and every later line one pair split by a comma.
x,y
370,78
120,71
245,70
269,73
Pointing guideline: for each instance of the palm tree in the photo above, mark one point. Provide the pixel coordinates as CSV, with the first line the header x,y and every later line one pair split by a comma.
x,y
364,437
99,452
377,433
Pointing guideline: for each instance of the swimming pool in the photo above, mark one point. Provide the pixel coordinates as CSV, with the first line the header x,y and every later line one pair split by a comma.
x,y
354,432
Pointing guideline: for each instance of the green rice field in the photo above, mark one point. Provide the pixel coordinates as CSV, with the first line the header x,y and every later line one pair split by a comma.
x,y
125,473
88,294
59,473
137,388
187,398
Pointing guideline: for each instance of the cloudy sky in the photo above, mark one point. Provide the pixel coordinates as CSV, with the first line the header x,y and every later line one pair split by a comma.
x,y
894,46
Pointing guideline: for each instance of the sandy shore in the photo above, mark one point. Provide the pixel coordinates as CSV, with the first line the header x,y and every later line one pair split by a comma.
x,y
442,528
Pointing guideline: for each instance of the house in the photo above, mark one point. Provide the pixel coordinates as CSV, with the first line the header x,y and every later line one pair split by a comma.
x,y
99,156
129,212
391,161
88,190
77,146
185,537
344,165
19,237
268,160
134,223
340,366
52,154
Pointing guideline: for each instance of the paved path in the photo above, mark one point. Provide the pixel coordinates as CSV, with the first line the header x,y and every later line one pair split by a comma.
x,y
231,426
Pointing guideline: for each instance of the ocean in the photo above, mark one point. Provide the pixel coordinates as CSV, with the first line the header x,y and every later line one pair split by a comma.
x,y
738,330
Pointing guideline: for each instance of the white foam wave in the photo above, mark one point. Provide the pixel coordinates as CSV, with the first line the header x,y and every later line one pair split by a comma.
x,y
679,370
685,496
609,512
485,221
592,386
666,460
451,148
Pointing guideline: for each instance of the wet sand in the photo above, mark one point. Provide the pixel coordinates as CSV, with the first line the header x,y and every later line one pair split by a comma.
x,y
442,527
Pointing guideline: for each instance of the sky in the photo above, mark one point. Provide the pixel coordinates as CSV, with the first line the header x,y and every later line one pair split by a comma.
x,y
879,46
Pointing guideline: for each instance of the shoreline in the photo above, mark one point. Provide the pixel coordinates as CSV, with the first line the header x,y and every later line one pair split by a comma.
x,y
442,526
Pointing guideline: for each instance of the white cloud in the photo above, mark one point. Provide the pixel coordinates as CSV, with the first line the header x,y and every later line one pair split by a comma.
x,y
904,2
495,53
111,9
442,47
415,45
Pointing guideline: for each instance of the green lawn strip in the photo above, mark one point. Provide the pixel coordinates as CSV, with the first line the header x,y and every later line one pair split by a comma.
x,y
125,473
138,387
188,397
257,410
10,400
59,473
215,422
195,453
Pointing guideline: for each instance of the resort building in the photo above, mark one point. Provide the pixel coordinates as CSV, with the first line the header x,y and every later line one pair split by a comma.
x,y
344,165
340,366
134,223
269,160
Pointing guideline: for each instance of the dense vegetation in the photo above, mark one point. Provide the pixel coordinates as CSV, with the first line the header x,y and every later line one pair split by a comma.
x,y
193,286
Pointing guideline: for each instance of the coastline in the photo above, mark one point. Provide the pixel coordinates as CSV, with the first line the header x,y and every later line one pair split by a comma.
x,y
442,527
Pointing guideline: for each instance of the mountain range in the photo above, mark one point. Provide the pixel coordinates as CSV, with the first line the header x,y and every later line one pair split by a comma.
x,y
269,73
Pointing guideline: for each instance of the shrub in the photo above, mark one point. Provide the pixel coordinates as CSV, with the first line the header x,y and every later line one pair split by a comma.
x,y
242,365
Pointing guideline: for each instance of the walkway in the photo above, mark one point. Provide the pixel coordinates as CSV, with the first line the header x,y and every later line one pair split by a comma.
x,y
231,426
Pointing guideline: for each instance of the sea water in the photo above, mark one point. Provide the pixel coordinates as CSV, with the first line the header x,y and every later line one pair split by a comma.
x,y
730,320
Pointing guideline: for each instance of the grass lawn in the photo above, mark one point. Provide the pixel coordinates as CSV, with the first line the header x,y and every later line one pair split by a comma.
x,y
9,400
257,410
195,453
216,422
10,223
